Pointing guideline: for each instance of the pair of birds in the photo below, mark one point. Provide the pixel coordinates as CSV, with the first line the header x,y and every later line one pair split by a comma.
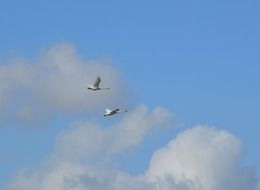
x,y
95,87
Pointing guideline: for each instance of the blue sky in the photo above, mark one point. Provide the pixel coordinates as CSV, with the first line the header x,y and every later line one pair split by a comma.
x,y
198,59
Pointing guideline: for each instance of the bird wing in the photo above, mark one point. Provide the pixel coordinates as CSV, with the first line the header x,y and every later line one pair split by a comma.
x,y
97,82
108,110
114,111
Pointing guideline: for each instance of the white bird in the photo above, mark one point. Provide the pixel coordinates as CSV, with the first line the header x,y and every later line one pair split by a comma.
x,y
95,86
109,112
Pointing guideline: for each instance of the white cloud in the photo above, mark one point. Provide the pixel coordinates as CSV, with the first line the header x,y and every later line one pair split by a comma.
x,y
79,154
87,139
71,176
56,81
199,158
207,157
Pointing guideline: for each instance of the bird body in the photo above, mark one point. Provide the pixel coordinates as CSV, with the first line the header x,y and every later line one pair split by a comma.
x,y
95,86
109,112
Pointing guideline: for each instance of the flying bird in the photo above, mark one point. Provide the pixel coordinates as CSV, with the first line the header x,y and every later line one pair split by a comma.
x,y
95,86
109,112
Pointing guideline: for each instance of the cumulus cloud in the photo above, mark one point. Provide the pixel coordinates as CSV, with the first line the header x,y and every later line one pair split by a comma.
x,y
205,157
56,82
79,153
199,158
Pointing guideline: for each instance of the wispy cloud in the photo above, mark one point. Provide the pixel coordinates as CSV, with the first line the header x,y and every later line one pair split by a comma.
x,y
56,82
87,140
